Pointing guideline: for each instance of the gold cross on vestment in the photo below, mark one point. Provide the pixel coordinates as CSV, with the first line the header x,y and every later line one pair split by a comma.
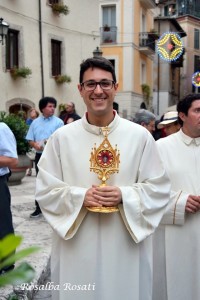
x,y
105,131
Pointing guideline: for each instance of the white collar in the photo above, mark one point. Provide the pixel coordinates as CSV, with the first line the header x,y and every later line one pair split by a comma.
x,y
187,139
98,130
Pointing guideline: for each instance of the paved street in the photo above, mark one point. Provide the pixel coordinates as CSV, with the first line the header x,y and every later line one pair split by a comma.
x,y
34,232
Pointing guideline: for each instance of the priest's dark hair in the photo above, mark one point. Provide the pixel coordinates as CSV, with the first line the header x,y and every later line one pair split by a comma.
x,y
97,62
185,104
45,100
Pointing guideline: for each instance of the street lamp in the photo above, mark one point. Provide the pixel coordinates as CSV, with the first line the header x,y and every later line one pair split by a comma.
x,y
97,52
3,30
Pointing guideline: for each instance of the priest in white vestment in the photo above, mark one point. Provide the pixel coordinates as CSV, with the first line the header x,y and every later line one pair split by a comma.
x,y
177,244
101,255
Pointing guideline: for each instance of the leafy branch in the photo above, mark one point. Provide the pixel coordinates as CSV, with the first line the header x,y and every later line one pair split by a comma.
x,y
24,272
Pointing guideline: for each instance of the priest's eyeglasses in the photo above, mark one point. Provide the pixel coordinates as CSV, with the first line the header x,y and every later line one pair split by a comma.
x,y
90,85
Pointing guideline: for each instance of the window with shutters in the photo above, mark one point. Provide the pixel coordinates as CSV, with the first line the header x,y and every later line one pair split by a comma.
x,y
196,38
12,49
56,57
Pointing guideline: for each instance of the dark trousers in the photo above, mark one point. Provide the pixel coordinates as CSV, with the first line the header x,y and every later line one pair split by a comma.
x,y
6,224
37,158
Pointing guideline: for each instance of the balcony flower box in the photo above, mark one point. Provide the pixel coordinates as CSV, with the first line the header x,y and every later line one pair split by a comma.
x,y
60,8
23,72
62,79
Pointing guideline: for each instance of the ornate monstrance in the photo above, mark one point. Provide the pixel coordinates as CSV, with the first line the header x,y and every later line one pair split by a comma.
x,y
104,161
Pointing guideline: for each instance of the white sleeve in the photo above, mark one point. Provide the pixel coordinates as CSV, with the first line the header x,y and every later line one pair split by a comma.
x,y
60,203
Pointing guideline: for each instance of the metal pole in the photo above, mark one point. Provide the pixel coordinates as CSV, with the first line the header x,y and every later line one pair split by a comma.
x,y
158,77
41,48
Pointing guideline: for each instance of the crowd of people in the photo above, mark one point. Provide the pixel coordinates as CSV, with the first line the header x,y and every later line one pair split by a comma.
x,y
147,247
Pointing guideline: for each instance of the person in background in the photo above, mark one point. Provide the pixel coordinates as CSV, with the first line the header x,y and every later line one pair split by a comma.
x,y
146,119
70,115
169,123
73,203
39,132
8,159
32,115
176,242
158,133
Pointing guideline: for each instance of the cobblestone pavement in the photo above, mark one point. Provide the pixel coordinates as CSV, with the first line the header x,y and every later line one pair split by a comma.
x,y
34,232
44,294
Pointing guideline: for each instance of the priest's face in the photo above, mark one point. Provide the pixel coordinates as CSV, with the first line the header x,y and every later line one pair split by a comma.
x,y
98,92
191,121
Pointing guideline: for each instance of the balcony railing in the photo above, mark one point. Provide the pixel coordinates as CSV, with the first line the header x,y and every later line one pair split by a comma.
x,y
108,34
188,11
147,42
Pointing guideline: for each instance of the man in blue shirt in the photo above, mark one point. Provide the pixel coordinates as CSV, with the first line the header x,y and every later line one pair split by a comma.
x,y
8,159
39,132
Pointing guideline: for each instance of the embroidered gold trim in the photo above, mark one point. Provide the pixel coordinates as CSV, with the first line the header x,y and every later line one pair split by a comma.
x,y
175,208
103,209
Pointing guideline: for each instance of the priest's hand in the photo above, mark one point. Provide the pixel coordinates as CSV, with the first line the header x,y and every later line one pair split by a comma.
x,y
192,204
90,199
103,196
107,195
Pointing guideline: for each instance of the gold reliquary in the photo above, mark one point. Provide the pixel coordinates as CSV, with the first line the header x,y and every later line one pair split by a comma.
x,y
104,161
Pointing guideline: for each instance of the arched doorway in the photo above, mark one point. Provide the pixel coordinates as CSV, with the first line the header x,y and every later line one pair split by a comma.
x,y
19,106
19,109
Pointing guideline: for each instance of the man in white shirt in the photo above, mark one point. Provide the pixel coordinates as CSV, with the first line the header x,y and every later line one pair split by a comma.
x,y
176,246
8,159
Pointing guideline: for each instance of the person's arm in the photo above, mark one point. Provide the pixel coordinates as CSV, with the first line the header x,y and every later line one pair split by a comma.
x,y
9,162
175,211
145,201
37,146
30,137
8,154
180,203
61,204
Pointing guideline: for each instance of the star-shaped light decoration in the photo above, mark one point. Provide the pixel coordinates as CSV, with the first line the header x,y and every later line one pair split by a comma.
x,y
196,79
169,46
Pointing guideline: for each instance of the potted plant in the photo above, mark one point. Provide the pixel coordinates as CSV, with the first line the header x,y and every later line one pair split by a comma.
x,y
60,8
20,72
62,79
61,107
19,128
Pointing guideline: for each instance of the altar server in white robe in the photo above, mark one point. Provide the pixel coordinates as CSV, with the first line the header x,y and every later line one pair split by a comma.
x,y
177,245
101,256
